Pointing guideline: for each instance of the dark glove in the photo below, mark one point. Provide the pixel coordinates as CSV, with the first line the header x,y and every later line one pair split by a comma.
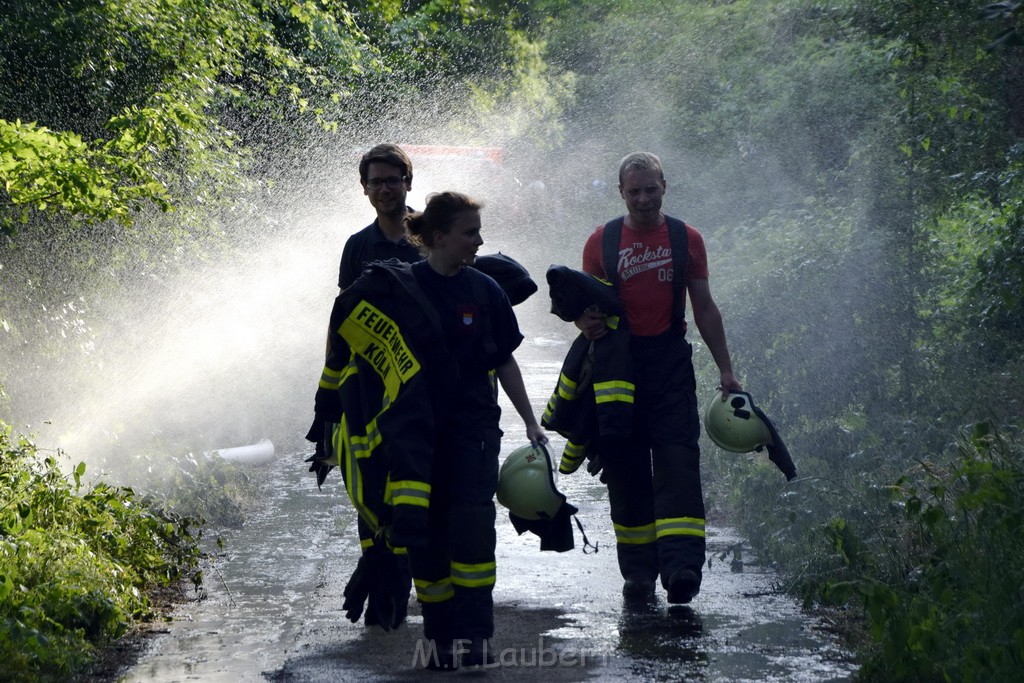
x,y
318,434
318,461
388,602
594,464
380,584
320,467
359,585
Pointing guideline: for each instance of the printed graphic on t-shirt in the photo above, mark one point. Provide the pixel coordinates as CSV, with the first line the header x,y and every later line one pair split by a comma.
x,y
639,258
468,317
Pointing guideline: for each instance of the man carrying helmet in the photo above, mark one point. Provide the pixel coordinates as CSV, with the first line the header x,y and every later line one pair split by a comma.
x,y
653,477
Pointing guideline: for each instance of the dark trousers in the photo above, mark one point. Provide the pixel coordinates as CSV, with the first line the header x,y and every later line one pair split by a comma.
x,y
653,478
455,573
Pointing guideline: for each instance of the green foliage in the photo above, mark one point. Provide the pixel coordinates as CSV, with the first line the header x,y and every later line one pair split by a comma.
x,y
145,84
209,488
976,266
41,169
475,68
76,562
956,614
525,99
935,560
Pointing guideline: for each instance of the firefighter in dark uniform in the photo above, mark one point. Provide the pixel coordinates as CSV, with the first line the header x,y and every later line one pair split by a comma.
x,y
454,570
653,476
385,172
380,585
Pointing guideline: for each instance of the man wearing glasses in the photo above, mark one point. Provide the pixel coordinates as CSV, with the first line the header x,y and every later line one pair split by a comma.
x,y
385,172
382,580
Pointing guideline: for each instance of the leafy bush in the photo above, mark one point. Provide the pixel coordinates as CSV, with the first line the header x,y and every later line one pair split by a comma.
x,y
76,562
955,611
934,561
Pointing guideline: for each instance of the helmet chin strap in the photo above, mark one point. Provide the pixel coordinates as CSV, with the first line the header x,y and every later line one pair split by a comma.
x,y
586,541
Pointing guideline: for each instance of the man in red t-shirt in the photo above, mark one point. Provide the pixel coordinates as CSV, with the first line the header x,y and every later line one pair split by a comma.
x,y
653,478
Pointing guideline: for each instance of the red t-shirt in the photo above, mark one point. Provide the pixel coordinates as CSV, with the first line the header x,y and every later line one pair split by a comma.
x,y
645,273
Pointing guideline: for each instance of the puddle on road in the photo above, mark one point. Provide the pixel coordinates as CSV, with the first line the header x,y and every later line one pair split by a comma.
x,y
273,605
258,591
737,629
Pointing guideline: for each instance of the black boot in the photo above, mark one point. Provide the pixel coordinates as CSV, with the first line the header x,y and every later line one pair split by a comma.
x,y
683,585
437,629
441,656
477,653
637,589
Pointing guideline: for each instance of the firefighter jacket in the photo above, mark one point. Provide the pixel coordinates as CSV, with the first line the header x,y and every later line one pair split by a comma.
x,y
386,376
595,390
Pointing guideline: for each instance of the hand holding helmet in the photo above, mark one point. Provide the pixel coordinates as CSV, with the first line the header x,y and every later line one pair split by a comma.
x,y
526,484
731,423
735,424
729,384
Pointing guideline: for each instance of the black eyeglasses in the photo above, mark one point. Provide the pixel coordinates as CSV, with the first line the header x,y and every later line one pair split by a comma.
x,y
393,183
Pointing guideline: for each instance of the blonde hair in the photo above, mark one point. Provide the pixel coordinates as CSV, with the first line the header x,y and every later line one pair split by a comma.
x,y
640,161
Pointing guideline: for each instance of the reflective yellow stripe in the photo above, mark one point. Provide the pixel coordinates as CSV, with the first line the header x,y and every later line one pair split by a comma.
x,y
362,446
612,322
407,492
617,390
635,534
330,379
367,543
549,410
680,526
434,591
341,442
566,387
336,456
473,575
572,457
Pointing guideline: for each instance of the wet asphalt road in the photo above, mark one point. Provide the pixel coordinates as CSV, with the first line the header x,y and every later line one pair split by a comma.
x,y
272,609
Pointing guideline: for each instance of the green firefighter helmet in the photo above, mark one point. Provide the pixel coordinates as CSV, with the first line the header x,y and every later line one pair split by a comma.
x,y
734,425
526,485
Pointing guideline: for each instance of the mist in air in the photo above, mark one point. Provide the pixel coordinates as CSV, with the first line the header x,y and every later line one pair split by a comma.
x,y
230,352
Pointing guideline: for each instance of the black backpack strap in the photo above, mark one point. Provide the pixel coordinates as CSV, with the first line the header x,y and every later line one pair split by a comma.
x,y
610,250
680,260
679,241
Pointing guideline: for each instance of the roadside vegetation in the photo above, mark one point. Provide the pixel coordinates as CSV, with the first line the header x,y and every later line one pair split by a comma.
x,y
78,563
85,561
856,167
